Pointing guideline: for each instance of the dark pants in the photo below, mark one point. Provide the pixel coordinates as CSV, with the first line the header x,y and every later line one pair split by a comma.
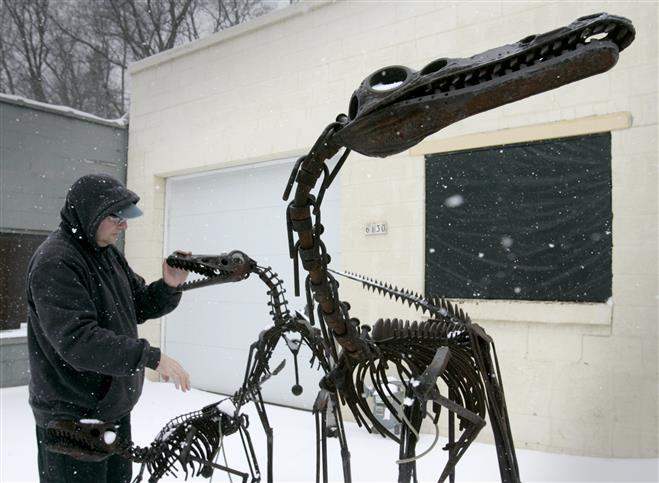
x,y
59,468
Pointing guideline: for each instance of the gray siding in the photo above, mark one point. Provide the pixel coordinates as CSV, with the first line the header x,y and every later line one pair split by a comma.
x,y
42,153
14,367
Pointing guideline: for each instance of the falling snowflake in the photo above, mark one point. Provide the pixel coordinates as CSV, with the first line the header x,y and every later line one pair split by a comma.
x,y
454,201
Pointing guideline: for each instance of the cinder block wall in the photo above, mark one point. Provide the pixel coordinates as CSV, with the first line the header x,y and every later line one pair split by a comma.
x,y
578,380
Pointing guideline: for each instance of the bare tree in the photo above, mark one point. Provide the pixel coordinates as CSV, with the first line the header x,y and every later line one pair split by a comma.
x,y
8,69
147,27
227,13
98,58
76,52
30,47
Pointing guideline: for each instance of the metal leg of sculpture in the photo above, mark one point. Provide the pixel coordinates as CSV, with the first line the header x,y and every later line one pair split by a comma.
x,y
318,448
250,454
451,435
226,469
139,476
320,416
323,440
341,435
263,416
474,424
409,435
496,402
327,404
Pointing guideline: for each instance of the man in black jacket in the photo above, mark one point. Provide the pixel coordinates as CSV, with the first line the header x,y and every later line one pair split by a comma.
x,y
84,304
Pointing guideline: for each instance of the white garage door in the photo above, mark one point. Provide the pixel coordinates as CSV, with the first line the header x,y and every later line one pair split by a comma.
x,y
212,329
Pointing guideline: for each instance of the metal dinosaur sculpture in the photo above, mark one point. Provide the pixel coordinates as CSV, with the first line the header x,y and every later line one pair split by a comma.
x,y
392,110
189,442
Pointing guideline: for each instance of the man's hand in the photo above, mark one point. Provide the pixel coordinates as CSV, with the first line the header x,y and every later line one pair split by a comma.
x,y
174,276
168,369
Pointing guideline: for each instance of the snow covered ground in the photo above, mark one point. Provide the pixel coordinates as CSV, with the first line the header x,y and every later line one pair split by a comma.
x,y
294,447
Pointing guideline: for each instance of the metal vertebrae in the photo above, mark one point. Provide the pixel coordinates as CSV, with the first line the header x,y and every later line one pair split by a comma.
x,y
310,248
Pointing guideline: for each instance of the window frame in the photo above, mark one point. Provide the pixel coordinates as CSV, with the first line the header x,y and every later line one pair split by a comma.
x,y
519,311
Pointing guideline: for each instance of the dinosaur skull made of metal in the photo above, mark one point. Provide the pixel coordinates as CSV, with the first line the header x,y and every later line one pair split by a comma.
x,y
83,440
396,107
214,269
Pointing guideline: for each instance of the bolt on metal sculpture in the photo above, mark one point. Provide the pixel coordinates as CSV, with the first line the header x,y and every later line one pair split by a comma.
x,y
392,110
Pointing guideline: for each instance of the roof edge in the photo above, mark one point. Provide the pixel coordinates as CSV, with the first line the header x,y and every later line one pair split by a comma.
x,y
66,111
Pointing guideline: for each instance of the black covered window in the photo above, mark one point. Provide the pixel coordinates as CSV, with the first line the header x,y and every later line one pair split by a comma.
x,y
15,252
527,221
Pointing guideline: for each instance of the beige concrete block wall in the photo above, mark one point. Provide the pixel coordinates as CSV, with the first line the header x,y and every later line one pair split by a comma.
x,y
579,379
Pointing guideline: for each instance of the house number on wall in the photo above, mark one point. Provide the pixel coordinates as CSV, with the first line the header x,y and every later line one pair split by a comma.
x,y
376,228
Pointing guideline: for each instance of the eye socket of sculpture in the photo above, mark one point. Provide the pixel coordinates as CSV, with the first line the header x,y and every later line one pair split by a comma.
x,y
354,107
434,66
388,79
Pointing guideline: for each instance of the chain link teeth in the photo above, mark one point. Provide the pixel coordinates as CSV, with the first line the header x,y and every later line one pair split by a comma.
x,y
527,59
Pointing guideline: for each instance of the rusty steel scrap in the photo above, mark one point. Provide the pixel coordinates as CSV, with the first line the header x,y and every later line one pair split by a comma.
x,y
392,109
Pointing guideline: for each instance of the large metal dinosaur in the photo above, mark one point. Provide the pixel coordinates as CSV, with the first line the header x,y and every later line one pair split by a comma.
x,y
392,110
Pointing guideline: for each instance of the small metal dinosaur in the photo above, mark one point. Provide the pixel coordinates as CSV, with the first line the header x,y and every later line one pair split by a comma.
x,y
189,443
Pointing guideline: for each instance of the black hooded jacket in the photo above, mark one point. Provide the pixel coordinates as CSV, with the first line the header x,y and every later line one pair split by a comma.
x,y
84,304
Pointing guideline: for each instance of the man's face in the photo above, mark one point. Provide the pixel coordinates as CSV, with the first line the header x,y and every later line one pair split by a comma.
x,y
109,230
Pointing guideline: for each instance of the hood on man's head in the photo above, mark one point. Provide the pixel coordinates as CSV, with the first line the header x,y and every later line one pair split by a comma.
x,y
90,199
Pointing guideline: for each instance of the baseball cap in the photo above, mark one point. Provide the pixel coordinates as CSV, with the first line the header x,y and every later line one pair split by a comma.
x,y
130,211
